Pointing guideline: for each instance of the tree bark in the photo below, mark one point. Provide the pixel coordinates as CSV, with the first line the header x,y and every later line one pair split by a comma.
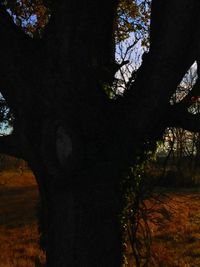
x,y
65,120
84,228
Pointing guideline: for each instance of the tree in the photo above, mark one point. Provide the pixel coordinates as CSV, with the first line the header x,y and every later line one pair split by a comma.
x,y
77,141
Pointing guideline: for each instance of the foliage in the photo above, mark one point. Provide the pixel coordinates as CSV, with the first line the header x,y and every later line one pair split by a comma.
x,y
133,16
136,189
134,220
132,40
31,15
6,117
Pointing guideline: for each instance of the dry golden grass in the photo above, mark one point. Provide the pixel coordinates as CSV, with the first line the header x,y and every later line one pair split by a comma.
x,y
176,243
18,224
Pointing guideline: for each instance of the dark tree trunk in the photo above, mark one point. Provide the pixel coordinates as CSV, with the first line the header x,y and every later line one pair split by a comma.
x,y
82,208
81,199
84,228
76,141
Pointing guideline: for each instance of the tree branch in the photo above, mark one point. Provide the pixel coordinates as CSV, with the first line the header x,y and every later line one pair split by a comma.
x,y
178,116
18,53
173,49
83,40
10,145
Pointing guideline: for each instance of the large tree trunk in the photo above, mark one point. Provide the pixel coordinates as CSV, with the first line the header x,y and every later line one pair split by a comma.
x,y
80,196
84,228
62,129
81,210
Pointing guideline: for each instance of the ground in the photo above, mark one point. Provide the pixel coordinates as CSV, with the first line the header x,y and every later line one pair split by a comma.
x,y
176,243
176,234
18,224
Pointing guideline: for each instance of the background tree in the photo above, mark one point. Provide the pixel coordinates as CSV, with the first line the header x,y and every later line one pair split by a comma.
x,y
180,146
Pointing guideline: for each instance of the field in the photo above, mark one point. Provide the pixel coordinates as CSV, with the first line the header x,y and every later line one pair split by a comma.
x,y
176,235
18,225
176,243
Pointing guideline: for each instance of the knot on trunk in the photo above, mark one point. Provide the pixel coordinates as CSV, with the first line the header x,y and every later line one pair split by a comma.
x,y
61,149
64,145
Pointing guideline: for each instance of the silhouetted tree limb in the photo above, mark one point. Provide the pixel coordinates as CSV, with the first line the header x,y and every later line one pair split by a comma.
x,y
21,59
10,145
180,117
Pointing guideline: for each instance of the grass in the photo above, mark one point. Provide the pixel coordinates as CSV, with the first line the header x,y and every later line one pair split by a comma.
x,y
18,224
176,241
179,238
